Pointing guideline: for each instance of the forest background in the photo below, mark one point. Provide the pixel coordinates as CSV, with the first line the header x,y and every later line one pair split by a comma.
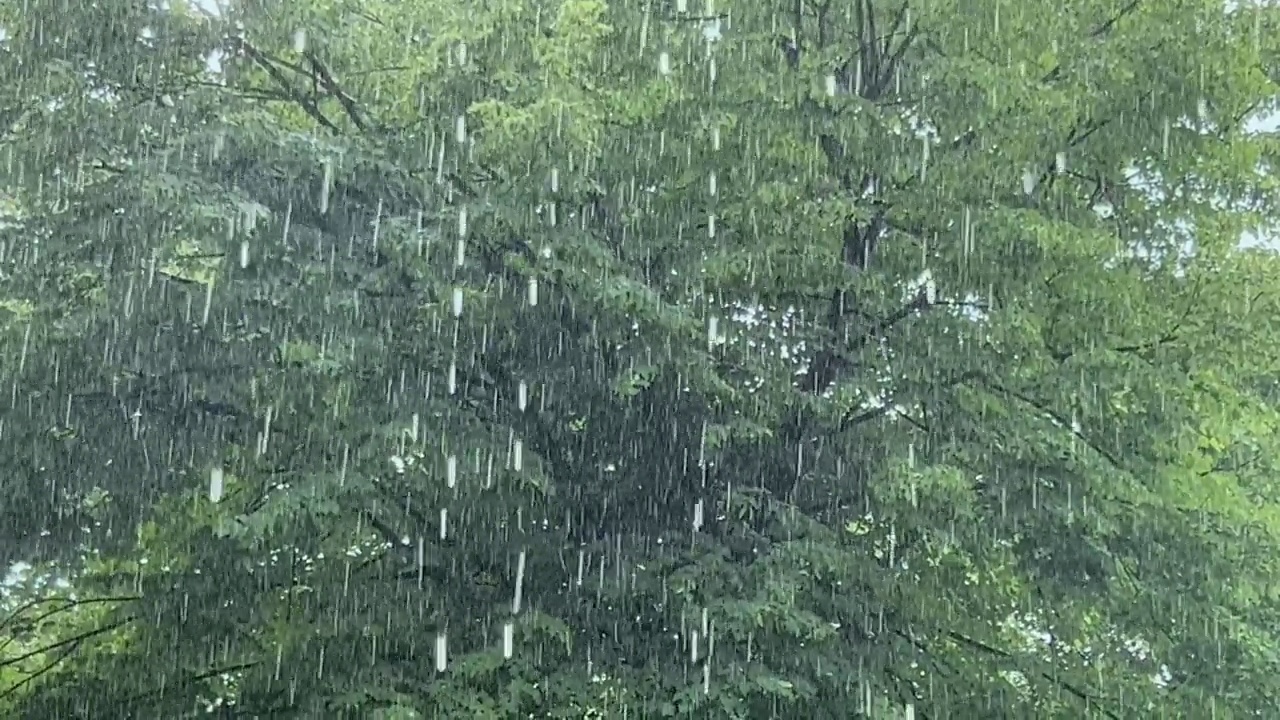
x,y
585,359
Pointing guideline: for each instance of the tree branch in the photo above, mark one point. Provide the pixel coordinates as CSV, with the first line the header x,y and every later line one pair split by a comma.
x,y
328,83
269,66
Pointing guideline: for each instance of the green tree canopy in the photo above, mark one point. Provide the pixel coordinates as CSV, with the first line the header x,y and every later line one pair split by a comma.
x,y
582,359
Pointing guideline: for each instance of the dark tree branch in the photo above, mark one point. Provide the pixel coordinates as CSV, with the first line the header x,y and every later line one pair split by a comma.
x,y
986,649
328,83
269,65
1106,27
1058,418
890,57
73,641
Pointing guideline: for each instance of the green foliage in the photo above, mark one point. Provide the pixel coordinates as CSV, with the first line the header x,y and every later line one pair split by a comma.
x,y
782,363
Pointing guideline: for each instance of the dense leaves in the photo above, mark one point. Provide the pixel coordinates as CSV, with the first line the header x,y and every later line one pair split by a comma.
x,y
538,359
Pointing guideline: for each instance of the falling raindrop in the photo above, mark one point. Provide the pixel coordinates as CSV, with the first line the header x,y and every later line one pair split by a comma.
x,y
460,129
831,85
711,184
522,396
453,377
519,591
1028,181
664,63
1164,139
457,302
442,653
533,292
326,187
555,180
451,472
244,254
461,256
1060,163
444,523
215,484
517,456
924,157
966,232
208,303
508,640
422,559
299,40
462,53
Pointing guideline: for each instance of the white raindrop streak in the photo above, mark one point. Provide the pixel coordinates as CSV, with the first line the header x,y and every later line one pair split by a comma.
x,y
451,472
300,41
215,484
966,232
208,303
457,302
444,523
522,396
533,292
462,237
442,653
664,63
517,455
326,187
831,85
519,591
460,129
422,559
244,254
453,377
924,157
1028,181
508,640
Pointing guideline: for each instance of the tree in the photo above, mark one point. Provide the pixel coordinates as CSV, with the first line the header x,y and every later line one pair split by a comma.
x,y
743,362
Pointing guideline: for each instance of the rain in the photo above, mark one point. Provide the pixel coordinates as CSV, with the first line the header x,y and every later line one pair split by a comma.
x,y
639,359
